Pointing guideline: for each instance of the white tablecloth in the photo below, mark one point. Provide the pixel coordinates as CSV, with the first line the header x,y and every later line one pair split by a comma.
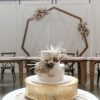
x,y
19,94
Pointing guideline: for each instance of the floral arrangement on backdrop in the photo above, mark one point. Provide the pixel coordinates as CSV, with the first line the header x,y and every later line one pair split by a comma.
x,y
45,65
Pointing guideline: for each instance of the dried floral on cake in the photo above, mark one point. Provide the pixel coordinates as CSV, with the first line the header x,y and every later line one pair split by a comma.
x,y
45,65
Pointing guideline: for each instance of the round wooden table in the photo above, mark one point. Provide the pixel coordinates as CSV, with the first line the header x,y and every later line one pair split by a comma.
x,y
19,94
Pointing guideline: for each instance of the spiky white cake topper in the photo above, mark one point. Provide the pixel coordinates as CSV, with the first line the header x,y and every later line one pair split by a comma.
x,y
57,48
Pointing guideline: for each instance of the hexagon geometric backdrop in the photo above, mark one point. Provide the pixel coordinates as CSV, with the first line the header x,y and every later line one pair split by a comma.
x,y
44,12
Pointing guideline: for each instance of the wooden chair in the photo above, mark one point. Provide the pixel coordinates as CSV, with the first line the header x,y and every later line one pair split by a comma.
x,y
30,65
98,74
69,66
98,70
9,66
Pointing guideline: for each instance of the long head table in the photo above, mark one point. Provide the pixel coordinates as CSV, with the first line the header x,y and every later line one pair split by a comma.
x,y
19,60
83,65
82,60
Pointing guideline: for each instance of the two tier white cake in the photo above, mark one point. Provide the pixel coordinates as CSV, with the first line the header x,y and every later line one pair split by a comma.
x,y
50,83
56,72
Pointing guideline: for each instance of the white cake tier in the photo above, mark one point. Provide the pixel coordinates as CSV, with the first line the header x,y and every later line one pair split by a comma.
x,y
54,75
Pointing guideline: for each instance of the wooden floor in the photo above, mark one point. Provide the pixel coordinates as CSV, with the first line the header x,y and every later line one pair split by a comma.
x,y
8,86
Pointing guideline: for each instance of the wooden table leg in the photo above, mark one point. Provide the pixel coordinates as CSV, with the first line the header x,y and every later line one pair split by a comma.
x,y
83,73
79,73
20,64
27,68
92,67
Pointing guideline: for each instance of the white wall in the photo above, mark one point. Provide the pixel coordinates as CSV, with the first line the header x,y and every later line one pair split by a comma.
x,y
13,20
95,27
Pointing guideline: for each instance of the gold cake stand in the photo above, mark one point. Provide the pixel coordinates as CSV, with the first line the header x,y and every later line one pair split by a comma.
x,y
61,90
